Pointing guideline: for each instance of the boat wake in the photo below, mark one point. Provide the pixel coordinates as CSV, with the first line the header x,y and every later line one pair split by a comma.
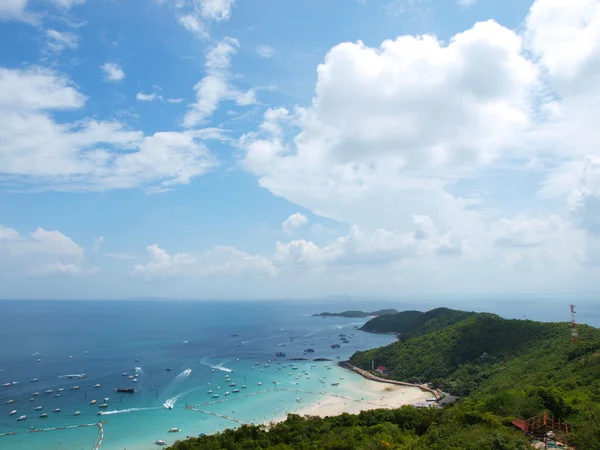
x,y
138,370
216,366
71,375
124,411
170,402
183,375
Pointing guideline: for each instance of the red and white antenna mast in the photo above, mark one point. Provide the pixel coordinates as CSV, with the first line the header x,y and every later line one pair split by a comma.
x,y
573,325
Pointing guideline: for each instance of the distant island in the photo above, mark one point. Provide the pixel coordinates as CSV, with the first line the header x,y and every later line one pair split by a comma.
x,y
357,314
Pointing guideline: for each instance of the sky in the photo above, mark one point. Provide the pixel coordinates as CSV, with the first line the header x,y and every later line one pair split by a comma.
x,y
299,149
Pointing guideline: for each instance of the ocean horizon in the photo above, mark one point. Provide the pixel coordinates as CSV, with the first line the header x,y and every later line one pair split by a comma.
x,y
173,353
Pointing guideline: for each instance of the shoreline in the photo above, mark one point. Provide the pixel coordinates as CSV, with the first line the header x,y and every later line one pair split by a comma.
x,y
362,394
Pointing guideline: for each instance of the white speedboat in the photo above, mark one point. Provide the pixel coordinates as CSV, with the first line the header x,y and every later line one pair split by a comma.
x,y
215,396
56,410
76,413
35,394
97,385
244,386
10,402
93,402
49,391
60,389
74,388
235,391
210,392
103,405
260,383
33,380
227,393
22,418
106,399
37,408
13,412
174,430
43,416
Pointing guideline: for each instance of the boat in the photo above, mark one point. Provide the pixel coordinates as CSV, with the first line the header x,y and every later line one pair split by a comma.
x,y
93,402
174,430
13,412
49,391
210,391
232,385
57,395
127,390
60,389
131,377
215,396
10,401
280,354
309,350
76,413
97,385
134,380
22,418
37,408
14,382
74,388
33,380
227,393
244,386
106,399
235,391
43,416
35,394
6,385
335,384
260,383
169,369
103,405
124,374
335,345
56,410
159,442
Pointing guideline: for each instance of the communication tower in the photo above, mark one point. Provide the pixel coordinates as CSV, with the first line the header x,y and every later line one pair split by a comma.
x,y
573,325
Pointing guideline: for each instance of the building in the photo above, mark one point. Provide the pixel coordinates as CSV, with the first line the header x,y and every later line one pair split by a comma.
x,y
381,370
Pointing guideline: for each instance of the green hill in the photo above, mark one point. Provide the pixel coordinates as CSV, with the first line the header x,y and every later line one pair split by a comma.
x,y
408,323
502,369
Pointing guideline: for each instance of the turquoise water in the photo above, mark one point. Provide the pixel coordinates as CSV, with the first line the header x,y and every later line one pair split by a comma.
x,y
106,339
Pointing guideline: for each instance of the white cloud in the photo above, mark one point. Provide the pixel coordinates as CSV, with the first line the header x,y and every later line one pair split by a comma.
x,y
147,97
87,154
467,2
40,252
216,9
220,261
58,41
66,4
193,25
216,86
264,51
16,10
293,222
174,100
98,243
112,72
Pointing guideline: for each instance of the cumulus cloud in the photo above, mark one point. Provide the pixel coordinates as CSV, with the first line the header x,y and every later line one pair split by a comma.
x,y
293,222
112,72
87,154
216,86
40,252
219,261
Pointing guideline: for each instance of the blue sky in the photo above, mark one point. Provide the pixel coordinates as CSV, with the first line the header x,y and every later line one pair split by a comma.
x,y
274,149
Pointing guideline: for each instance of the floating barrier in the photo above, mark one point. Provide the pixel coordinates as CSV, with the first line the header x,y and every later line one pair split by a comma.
x,y
99,437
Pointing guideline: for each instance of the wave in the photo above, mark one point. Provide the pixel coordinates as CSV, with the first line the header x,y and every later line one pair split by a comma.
x,y
124,411
71,375
186,373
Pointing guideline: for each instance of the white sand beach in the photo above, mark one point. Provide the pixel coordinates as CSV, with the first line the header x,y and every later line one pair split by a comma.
x,y
359,394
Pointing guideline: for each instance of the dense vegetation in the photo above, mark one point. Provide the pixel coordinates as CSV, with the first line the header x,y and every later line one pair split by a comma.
x,y
402,429
409,323
503,369
360,314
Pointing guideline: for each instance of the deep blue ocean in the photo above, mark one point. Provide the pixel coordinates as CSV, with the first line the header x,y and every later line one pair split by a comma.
x,y
204,343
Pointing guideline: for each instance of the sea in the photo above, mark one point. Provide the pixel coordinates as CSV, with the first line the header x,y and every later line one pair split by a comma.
x,y
177,355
